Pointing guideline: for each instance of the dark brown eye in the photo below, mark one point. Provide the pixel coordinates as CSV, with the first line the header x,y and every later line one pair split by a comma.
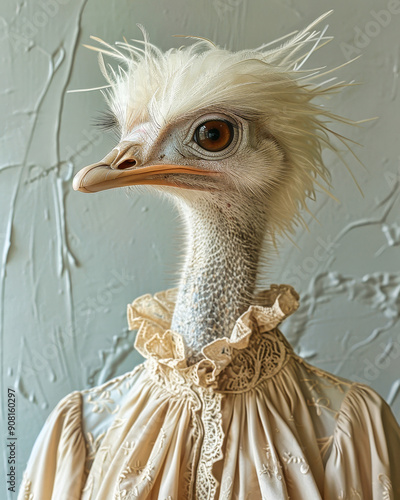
x,y
214,135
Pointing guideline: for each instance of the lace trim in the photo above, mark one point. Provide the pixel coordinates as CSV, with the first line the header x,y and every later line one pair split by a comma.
x,y
206,484
255,351
243,360
265,356
178,388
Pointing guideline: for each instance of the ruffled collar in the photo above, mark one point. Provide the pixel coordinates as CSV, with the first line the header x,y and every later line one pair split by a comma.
x,y
151,315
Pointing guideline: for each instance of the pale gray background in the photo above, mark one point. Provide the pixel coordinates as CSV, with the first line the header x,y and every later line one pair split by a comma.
x,y
70,262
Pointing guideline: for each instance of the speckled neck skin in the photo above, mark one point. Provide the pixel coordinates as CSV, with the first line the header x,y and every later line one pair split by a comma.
x,y
219,275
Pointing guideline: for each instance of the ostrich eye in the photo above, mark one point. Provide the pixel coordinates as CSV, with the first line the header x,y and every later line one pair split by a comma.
x,y
214,135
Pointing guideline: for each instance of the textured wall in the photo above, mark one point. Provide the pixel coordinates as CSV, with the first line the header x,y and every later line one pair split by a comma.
x,y
69,263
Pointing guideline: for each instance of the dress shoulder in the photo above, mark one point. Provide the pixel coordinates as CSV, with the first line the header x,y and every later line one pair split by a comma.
x,y
365,455
57,461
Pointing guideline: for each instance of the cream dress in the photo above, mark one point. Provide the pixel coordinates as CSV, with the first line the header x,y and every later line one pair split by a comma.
x,y
251,420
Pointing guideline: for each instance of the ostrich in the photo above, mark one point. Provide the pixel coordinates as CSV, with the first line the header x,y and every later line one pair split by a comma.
x,y
238,154
223,407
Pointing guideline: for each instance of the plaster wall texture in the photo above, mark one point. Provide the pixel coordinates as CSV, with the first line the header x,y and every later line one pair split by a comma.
x,y
70,263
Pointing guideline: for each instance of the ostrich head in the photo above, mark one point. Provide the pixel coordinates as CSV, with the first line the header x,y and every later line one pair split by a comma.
x,y
235,139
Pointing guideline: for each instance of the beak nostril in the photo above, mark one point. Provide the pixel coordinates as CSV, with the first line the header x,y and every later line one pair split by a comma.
x,y
127,164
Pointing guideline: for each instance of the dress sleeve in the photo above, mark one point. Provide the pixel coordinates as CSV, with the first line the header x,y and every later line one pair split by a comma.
x,y
365,456
56,467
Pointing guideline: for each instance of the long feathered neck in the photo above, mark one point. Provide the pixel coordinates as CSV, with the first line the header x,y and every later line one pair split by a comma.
x,y
219,276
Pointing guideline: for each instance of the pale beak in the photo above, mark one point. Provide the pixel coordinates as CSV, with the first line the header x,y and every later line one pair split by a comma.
x,y
100,176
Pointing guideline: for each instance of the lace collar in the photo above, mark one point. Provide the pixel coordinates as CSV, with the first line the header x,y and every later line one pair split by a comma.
x,y
228,364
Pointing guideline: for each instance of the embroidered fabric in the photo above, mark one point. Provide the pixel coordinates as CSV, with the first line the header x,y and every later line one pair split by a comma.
x,y
250,420
234,364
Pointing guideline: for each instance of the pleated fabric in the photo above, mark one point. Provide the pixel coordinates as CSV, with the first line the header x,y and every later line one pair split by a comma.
x,y
250,420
